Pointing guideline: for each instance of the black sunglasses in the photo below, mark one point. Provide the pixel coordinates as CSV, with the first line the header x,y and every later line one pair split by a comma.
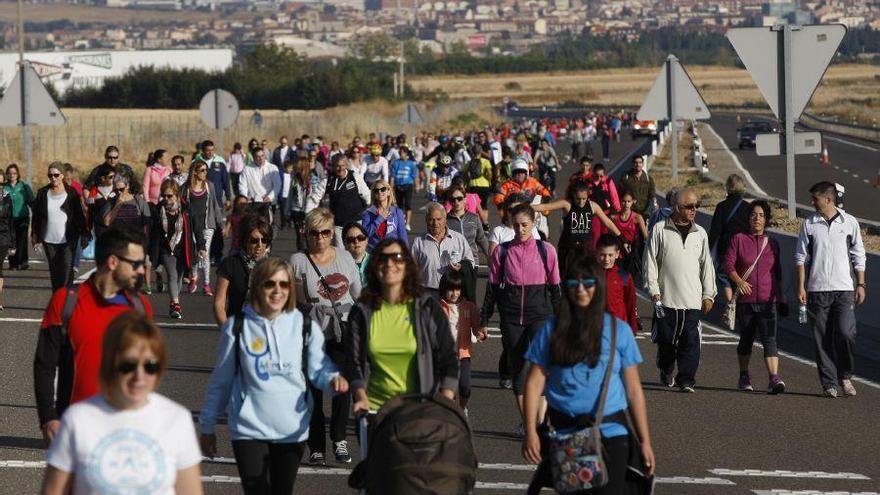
x,y
399,258
151,367
356,238
271,284
258,240
54,176
112,157
690,206
320,233
382,189
135,264
456,199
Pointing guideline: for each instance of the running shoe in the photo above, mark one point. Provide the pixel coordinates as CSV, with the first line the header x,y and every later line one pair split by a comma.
x,y
208,291
745,383
506,383
667,379
340,450
776,385
193,286
317,459
147,290
831,393
848,389
175,311
688,389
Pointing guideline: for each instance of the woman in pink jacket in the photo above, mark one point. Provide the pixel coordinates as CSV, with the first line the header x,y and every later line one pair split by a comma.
x,y
758,291
158,168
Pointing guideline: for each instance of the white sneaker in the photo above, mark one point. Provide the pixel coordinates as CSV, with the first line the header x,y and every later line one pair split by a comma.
x,y
848,389
408,228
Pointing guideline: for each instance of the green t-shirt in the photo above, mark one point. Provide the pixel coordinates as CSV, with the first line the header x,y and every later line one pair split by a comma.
x,y
392,347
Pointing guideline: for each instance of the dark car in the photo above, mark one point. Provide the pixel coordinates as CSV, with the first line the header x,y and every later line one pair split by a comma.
x,y
748,132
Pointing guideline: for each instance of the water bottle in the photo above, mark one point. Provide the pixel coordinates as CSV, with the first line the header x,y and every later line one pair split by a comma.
x,y
802,313
659,312
454,257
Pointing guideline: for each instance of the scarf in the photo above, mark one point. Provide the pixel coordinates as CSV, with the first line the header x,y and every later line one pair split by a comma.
x,y
164,212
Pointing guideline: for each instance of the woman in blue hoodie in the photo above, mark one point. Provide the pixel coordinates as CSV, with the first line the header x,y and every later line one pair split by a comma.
x,y
261,375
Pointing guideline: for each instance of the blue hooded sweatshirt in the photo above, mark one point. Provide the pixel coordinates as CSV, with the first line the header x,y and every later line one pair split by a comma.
x,y
267,399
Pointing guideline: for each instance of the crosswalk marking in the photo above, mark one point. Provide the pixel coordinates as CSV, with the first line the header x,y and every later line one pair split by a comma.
x,y
781,473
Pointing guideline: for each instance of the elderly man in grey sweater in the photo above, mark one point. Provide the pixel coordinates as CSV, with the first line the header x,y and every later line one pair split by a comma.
x,y
680,277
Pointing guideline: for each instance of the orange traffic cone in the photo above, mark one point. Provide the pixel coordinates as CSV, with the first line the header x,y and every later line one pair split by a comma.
x,y
823,159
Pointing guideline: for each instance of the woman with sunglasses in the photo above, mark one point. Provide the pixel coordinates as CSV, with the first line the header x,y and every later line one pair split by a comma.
x,y
22,198
383,220
260,375
205,218
171,248
569,357
127,438
233,273
327,278
398,340
130,212
59,221
354,238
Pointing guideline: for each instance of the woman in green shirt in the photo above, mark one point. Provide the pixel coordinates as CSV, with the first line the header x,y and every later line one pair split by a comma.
x,y
22,197
398,340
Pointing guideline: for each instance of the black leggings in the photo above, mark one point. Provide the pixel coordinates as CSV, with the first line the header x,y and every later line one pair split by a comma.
x,y
21,226
616,457
757,319
515,339
267,468
464,378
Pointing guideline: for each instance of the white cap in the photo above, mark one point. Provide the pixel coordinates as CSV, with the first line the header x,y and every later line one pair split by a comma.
x,y
519,164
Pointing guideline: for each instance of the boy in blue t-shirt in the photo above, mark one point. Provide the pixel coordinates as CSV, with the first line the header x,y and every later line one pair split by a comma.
x,y
404,173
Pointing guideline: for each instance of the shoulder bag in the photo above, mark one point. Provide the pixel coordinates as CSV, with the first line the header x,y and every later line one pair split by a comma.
x,y
576,460
336,334
729,315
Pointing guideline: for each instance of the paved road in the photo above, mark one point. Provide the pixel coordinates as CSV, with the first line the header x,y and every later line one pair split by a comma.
x,y
854,163
718,440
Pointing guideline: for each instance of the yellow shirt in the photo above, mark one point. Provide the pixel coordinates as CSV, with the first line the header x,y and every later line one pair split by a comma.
x,y
392,348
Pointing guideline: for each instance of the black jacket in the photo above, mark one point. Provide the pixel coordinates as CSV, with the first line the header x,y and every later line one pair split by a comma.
x,y
725,226
7,231
76,217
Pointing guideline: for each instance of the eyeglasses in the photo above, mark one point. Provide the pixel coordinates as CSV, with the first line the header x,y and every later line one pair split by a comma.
x,y
53,176
357,238
398,258
456,199
151,367
112,157
271,284
135,264
382,189
320,233
574,283
690,206
258,240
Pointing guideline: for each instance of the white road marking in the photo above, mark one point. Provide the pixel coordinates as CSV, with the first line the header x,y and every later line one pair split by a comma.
x,y
837,167
844,141
807,492
686,480
166,325
739,165
856,176
782,473
866,181
798,359
846,170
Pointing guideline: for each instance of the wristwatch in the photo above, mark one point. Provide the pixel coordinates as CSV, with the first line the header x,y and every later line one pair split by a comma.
x,y
862,285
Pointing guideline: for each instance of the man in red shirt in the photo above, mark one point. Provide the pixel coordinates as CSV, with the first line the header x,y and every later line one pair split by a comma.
x,y
620,288
76,352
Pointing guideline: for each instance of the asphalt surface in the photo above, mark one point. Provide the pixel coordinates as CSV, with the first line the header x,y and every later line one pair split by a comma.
x,y
719,440
853,163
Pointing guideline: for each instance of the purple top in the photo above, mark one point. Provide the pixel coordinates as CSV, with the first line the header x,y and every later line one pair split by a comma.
x,y
767,274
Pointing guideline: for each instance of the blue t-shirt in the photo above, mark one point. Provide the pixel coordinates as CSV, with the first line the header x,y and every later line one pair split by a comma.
x,y
404,172
574,390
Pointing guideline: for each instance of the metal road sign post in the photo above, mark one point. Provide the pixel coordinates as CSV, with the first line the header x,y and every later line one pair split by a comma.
x,y
27,102
411,115
218,110
787,62
673,96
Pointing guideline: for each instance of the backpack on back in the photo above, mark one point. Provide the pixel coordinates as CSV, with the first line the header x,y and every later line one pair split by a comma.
x,y
426,448
474,169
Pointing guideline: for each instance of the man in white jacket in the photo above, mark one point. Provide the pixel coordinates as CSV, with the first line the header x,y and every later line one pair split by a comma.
x,y
680,277
261,183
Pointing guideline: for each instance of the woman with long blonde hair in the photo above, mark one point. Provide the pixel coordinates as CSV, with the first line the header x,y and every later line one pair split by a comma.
x,y
383,220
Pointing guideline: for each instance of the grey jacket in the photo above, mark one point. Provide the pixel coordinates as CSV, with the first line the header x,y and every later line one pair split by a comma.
x,y
436,352
215,217
471,227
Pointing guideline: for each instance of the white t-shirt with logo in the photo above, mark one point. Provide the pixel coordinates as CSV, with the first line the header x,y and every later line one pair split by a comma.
x,y
131,451
56,219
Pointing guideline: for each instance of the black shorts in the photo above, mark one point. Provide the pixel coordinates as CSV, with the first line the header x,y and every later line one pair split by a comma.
x,y
403,195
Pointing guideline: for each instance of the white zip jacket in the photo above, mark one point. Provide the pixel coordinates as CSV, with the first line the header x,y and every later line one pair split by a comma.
x,y
257,182
831,250
681,272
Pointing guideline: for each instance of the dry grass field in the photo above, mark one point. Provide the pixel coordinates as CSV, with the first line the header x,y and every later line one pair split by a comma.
x,y
138,131
849,91
88,13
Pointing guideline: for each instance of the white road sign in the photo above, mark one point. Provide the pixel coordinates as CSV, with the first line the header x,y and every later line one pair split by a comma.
x,y
812,49
218,109
39,107
689,104
805,143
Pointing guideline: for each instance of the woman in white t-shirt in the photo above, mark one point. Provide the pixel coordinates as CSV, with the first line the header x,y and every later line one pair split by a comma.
x,y
127,439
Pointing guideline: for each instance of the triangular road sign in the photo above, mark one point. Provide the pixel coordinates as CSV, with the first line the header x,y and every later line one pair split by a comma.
x,y
689,104
812,48
411,115
40,107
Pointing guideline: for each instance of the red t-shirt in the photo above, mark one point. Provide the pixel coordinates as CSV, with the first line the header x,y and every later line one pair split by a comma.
x,y
621,299
86,332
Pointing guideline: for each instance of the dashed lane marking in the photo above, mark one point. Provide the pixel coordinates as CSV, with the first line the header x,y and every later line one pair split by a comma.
x,y
807,492
837,167
846,170
739,164
856,176
686,480
781,473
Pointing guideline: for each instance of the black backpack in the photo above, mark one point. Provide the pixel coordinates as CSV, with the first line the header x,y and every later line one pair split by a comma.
x,y
475,169
426,448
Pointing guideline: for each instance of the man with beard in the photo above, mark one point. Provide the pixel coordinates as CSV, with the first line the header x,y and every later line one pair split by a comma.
x,y
73,326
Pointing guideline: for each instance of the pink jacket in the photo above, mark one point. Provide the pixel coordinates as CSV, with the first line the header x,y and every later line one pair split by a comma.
x,y
765,278
153,178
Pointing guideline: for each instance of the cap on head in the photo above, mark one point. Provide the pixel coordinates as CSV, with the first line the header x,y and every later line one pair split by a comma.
x,y
519,164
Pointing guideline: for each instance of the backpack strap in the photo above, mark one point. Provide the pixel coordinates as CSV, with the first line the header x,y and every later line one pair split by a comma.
x,y
237,326
542,251
624,275
70,300
502,257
